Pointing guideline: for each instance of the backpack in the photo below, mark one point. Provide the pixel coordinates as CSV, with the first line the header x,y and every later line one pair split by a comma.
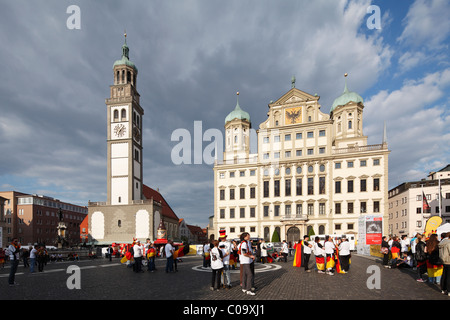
x,y
420,254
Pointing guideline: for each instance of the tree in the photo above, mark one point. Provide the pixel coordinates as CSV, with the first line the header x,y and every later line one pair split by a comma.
x,y
275,236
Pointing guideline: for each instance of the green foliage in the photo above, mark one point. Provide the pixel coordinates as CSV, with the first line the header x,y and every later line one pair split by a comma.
x,y
275,236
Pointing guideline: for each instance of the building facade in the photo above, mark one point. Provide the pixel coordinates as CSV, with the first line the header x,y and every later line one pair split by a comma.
x,y
409,211
34,219
132,210
311,171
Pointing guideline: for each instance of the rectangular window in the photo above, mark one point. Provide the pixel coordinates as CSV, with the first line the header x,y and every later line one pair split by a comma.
x,y
287,154
321,185
310,134
350,207
222,213
310,186
337,165
298,153
363,163
363,185
231,194
350,186
287,210
321,150
231,213
266,140
376,162
276,139
310,152
363,207
321,209
276,210
350,164
222,194
266,189
242,193
376,184
299,210
276,188
287,187
337,187
242,213
252,193
322,133
376,206
299,187
266,211
287,137
298,136
276,155
310,209
252,212
337,208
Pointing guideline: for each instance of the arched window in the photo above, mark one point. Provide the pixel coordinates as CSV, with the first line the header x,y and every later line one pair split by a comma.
x,y
117,77
350,124
128,76
124,114
119,223
116,115
123,76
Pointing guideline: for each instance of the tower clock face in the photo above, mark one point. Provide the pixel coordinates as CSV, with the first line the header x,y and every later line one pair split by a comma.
x,y
119,130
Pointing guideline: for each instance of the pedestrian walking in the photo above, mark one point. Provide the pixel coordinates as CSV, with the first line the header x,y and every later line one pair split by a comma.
x,y
216,265
41,258
14,258
444,254
246,258
169,256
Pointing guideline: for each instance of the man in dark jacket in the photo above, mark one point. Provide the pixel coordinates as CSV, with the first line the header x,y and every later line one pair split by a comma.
x,y
421,258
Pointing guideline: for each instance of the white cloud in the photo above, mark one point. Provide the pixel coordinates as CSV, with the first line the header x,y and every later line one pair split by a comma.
x,y
418,118
427,23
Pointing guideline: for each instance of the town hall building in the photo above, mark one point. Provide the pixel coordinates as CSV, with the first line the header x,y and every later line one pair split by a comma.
x,y
311,171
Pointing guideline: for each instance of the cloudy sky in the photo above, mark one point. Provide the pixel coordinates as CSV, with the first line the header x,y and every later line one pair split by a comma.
x,y
193,56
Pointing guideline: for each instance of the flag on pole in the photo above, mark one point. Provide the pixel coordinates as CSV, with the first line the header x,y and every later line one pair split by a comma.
x,y
426,207
298,254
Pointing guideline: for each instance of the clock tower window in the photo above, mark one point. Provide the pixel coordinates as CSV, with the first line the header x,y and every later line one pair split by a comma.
x,y
116,115
123,115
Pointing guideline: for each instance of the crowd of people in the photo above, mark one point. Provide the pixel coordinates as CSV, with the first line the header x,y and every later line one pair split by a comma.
x,y
428,255
138,255
222,256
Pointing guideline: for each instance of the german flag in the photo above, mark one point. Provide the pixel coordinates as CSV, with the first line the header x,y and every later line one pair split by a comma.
x,y
330,262
181,251
298,254
320,262
434,270
232,260
338,263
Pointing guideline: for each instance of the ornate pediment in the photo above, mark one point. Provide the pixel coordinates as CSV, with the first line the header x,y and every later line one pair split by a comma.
x,y
294,96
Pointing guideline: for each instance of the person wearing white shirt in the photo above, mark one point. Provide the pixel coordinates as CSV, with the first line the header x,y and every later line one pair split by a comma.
x,y
319,253
285,250
344,254
329,251
225,247
137,249
206,253
33,252
169,255
306,252
216,265
246,258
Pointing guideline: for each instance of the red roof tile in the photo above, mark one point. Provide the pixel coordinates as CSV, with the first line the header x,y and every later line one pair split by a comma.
x,y
166,209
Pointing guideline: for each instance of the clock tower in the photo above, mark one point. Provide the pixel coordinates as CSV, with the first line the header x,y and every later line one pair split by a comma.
x,y
124,137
